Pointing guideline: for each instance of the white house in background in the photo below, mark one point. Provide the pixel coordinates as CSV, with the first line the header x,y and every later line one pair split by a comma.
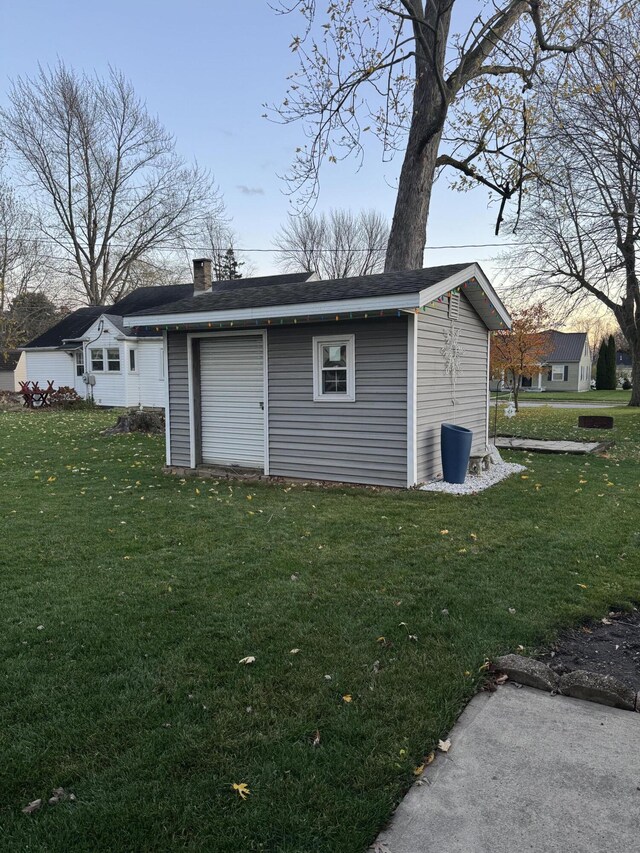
x,y
92,352
12,370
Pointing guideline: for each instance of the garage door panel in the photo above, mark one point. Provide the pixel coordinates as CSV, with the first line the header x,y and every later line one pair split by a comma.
x,y
231,400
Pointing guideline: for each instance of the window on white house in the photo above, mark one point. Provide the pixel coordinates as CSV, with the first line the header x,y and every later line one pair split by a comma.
x,y
334,368
559,372
113,360
97,360
132,360
79,362
161,365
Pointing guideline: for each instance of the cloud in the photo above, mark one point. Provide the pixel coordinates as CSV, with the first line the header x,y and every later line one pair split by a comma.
x,y
250,190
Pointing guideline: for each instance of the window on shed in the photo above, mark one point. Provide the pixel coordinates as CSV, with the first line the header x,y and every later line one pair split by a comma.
x,y
334,368
97,360
79,362
113,360
132,360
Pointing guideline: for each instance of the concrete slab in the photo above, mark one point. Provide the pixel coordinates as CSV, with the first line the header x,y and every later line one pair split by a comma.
x,y
527,771
545,446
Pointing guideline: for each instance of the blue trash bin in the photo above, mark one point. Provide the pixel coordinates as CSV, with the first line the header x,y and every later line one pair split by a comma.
x,y
455,449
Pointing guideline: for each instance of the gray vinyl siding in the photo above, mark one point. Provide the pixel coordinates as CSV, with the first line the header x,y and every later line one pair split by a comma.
x,y
434,392
178,398
360,442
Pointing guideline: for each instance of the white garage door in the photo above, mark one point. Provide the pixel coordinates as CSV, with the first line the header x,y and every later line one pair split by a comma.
x,y
232,400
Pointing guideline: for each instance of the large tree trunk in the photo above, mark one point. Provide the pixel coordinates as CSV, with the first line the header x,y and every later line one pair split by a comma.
x,y
431,98
408,235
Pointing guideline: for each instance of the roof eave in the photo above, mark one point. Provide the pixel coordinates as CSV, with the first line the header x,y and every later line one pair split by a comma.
x,y
398,301
494,322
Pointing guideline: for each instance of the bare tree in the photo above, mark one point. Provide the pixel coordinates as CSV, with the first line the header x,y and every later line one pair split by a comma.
x,y
339,245
581,221
392,69
21,261
105,174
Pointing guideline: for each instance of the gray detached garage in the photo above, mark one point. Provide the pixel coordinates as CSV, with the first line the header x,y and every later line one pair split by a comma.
x,y
346,380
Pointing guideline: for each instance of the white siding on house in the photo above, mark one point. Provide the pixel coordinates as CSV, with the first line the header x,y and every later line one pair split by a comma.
x,y
145,386
43,366
434,394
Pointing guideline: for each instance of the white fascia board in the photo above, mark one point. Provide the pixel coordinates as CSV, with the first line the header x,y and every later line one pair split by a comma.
x,y
435,291
264,312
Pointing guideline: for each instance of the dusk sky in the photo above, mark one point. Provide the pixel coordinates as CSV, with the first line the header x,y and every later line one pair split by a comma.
x,y
206,69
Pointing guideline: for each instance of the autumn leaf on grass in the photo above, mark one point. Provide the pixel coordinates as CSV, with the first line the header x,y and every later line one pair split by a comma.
x,y
444,745
347,698
315,740
444,532
241,789
247,660
582,585
33,806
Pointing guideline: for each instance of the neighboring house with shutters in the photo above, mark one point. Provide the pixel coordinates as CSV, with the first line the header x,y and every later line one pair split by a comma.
x,y
12,370
91,351
346,380
568,365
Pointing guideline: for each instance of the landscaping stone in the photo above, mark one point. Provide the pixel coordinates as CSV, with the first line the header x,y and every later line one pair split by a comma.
x,y
595,687
528,671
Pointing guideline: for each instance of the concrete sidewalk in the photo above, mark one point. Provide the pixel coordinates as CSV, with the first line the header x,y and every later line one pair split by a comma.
x,y
531,772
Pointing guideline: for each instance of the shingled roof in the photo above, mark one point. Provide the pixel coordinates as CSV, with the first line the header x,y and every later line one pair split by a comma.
x,y
567,346
74,325
253,294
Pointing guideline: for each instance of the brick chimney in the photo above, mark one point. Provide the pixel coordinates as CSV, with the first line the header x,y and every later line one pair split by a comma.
x,y
201,275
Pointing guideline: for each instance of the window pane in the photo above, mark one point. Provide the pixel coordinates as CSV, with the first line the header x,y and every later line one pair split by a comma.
x,y
334,356
334,381
113,359
97,362
132,359
79,362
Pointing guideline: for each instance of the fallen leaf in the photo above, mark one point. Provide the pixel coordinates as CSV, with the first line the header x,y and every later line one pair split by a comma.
x,y
248,659
347,698
501,679
606,621
582,585
381,640
429,758
33,806
242,789
316,738
444,745
443,532
418,770
294,651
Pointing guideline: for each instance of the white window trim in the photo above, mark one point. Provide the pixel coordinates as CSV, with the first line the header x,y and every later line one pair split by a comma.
x,y
332,397
555,369
95,369
106,359
133,350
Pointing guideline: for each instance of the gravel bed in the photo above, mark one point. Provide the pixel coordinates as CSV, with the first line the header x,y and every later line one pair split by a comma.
x,y
476,482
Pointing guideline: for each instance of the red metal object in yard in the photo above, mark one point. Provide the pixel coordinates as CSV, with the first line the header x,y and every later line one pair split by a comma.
x,y
34,396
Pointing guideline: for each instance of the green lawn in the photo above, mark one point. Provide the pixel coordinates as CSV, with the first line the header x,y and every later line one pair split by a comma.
x,y
542,422
129,598
620,398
